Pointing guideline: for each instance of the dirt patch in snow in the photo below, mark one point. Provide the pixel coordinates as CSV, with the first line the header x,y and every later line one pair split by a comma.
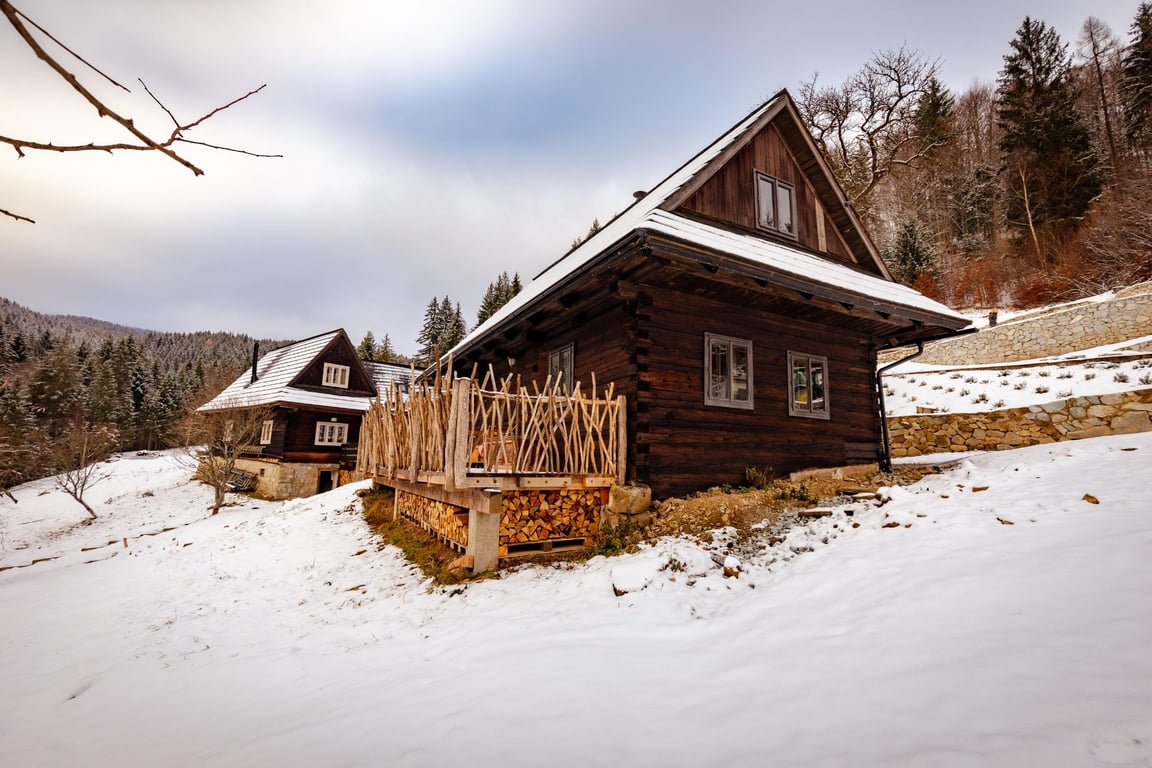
x,y
774,506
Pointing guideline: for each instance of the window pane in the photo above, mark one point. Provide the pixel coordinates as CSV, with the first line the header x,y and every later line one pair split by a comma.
x,y
765,200
784,208
740,373
719,371
817,386
800,384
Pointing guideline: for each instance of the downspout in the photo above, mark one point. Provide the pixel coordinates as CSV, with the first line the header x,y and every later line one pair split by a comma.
x,y
885,444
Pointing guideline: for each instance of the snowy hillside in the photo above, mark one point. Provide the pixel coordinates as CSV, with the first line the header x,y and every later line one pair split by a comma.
x,y
979,388
997,614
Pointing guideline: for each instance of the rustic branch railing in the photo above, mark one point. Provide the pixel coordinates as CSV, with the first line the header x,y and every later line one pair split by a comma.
x,y
460,433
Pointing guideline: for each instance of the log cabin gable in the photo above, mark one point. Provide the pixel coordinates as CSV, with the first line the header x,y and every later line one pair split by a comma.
x,y
765,177
336,370
778,148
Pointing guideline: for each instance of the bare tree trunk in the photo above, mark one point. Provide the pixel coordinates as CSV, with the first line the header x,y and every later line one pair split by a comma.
x,y
1028,213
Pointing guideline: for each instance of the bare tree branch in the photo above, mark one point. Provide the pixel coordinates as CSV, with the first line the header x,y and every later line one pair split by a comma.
x,y
75,55
16,216
146,143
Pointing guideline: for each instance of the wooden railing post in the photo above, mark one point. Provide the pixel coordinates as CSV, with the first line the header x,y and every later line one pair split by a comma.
x,y
456,435
621,439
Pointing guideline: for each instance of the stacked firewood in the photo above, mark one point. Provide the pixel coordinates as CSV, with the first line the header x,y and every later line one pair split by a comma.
x,y
530,516
447,521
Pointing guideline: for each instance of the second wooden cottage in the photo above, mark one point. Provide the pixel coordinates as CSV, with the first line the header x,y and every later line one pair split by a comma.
x,y
314,393
739,305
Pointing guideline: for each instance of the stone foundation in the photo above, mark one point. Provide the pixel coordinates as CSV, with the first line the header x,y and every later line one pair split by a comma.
x,y
1078,417
287,480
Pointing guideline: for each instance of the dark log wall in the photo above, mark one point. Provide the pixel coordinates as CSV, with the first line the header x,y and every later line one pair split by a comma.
x,y
730,195
300,434
682,446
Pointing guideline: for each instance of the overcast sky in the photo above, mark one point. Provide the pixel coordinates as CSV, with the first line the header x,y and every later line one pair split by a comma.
x,y
427,145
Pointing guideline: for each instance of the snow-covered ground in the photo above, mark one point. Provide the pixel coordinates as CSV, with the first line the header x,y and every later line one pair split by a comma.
x,y
979,388
996,615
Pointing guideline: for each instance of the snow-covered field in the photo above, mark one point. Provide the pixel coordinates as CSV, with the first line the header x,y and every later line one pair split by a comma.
x,y
996,615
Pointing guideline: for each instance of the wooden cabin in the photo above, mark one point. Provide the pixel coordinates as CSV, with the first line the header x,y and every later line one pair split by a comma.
x,y
315,392
738,305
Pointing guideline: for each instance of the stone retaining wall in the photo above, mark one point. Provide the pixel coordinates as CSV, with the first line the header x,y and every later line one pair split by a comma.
x,y
1082,326
1078,417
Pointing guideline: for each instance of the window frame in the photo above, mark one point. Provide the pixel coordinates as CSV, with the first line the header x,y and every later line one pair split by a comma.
x,y
266,432
778,186
340,430
810,364
336,375
728,401
556,365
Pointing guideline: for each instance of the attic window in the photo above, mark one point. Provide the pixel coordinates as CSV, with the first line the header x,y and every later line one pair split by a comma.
x,y
336,375
775,205
808,385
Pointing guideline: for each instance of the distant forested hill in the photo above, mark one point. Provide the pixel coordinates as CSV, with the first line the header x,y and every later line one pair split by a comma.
x,y
38,332
69,384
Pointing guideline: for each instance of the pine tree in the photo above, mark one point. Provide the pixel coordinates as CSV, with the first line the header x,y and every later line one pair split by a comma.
x,y
55,391
367,349
1136,81
934,117
498,294
431,337
911,254
1051,169
385,352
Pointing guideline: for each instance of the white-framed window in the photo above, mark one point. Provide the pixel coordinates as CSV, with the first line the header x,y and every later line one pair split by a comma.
x,y
560,368
727,371
266,432
336,375
807,386
775,205
331,433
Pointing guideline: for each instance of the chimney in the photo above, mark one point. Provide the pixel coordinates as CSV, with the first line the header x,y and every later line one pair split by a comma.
x,y
255,357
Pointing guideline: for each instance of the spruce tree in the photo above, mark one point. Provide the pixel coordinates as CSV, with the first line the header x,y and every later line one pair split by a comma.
x,y
385,352
1136,81
911,254
366,349
1051,169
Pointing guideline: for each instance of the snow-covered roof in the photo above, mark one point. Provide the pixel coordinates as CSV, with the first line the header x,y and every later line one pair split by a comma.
x,y
793,261
275,371
647,213
385,374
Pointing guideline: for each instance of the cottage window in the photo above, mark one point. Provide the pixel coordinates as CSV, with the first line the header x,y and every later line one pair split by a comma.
x,y
808,386
331,433
775,205
560,368
336,375
727,371
266,432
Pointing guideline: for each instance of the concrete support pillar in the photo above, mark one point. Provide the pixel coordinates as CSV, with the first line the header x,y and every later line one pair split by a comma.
x,y
484,531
